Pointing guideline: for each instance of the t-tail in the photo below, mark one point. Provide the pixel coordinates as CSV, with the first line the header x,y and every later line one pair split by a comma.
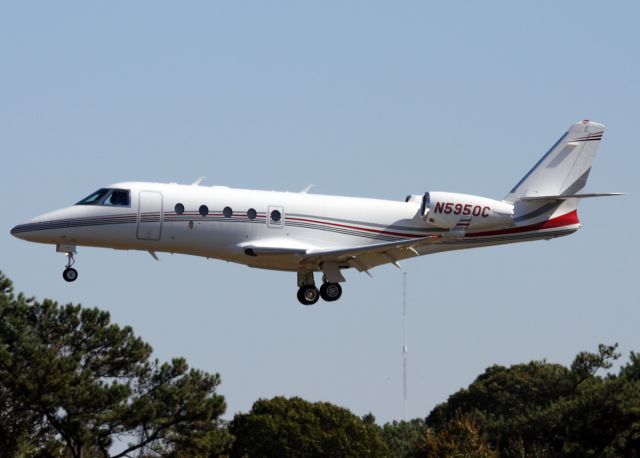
x,y
550,192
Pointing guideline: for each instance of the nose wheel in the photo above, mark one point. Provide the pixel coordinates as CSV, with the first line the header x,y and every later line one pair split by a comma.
x,y
70,274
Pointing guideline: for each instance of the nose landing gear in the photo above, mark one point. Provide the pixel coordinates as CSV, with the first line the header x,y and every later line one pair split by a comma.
x,y
70,274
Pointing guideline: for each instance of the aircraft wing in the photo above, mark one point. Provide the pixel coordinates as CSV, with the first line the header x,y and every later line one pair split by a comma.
x,y
362,257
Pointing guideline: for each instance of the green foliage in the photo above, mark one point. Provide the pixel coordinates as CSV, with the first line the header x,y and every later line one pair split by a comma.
x,y
21,432
282,427
510,404
603,417
72,384
460,438
542,409
70,378
586,364
402,437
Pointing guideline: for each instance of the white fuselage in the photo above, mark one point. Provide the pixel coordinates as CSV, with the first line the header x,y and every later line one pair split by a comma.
x,y
306,222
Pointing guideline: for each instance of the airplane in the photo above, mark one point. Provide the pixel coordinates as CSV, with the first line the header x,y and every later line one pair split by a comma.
x,y
309,233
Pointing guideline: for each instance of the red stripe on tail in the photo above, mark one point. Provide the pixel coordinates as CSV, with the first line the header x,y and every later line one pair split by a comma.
x,y
567,219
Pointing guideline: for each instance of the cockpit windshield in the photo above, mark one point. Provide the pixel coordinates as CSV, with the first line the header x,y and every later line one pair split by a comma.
x,y
106,196
117,197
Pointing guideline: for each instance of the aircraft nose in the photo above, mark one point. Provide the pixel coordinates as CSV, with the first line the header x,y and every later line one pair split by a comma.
x,y
21,231
49,227
38,229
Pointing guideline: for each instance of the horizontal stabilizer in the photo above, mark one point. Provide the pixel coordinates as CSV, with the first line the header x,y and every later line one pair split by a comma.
x,y
572,196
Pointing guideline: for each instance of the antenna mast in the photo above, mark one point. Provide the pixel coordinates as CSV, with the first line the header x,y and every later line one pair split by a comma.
x,y
405,351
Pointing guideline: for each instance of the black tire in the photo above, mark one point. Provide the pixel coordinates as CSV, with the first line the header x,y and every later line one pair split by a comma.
x,y
308,295
331,291
70,274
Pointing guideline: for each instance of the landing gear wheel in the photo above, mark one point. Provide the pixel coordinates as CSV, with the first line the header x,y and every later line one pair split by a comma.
x,y
331,291
308,295
70,274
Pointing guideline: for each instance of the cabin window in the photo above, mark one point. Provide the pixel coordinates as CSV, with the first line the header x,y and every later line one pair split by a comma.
x,y
276,216
179,208
227,212
204,210
251,213
118,197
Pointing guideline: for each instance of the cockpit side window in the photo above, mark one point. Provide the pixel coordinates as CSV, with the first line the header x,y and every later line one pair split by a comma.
x,y
95,198
119,197
105,196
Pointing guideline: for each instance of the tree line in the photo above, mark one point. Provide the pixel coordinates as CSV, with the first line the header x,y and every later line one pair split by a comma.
x,y
74,384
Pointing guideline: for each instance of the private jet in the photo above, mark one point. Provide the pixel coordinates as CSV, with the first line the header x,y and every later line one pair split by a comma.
x,y
308,233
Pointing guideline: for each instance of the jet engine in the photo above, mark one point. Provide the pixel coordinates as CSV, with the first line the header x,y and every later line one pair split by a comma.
x,y
448,210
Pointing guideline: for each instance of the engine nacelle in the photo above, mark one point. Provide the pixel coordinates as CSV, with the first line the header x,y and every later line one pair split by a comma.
x,y
446,209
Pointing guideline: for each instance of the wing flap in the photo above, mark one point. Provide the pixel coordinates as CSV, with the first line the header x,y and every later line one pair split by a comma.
x,y
344,254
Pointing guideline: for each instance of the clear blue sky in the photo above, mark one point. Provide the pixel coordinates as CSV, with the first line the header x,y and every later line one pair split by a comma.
x,y
359,98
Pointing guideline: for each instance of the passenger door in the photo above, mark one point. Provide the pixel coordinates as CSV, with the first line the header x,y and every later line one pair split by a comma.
x,y
149,215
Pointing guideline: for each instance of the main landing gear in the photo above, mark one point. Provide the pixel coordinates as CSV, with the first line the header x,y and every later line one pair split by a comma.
x,y
308,294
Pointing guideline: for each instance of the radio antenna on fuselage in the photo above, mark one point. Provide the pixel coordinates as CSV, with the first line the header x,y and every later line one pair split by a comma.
x,y
307,189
